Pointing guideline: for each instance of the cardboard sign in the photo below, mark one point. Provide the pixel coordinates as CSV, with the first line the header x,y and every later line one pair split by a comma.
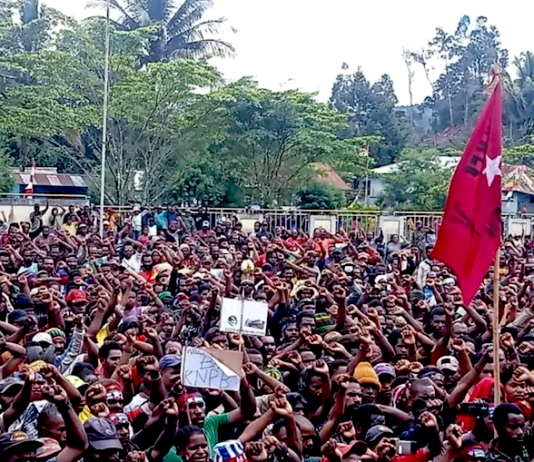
x,y
246,317
209,368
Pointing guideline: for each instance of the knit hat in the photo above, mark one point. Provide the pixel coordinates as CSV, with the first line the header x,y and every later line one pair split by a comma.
x,y
165,295
274,372
323,322
56,332
364,373
229,451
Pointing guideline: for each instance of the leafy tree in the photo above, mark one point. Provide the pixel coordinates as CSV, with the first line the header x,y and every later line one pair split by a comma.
x,y
370,109
181,31
59,109
519,99
6,172
355,164
272,138
27,26
522,154
320,196
200,181
420,183
468,55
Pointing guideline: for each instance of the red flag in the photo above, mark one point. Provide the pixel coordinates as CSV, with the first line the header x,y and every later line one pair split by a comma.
x,y
470,233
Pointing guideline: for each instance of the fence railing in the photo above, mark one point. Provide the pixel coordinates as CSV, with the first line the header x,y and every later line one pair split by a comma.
x,y
401,222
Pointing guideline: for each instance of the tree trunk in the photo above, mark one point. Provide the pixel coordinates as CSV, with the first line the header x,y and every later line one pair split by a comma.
x,y
450,106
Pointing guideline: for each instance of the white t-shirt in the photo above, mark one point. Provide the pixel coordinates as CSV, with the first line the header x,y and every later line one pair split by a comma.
x,y
134,262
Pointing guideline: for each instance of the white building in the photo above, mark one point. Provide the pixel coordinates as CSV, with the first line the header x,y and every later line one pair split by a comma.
x,y
517,185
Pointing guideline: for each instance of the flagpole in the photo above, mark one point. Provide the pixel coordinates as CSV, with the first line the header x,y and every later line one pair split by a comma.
x,y
496,330
496,296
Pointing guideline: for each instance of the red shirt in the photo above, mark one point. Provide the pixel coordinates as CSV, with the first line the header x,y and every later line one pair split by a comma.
x,y
292,243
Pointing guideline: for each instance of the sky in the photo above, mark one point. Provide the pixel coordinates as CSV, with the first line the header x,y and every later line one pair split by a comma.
x,y
303,44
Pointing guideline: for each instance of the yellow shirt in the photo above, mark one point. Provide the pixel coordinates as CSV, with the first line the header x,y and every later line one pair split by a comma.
x,y
102,334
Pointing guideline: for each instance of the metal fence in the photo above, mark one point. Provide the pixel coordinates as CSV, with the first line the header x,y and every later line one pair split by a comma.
x,y
401,222
308,220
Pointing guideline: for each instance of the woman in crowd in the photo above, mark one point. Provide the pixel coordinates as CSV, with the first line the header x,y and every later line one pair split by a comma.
x,y
366,352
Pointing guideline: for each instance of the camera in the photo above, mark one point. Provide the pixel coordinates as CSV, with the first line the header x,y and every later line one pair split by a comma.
x,y
475,409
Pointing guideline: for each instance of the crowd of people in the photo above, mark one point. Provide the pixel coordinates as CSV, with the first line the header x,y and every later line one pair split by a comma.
x,y
369,353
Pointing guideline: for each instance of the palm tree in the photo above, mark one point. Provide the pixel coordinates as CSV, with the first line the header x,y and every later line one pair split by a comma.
x,y
524,65
182,33
519,97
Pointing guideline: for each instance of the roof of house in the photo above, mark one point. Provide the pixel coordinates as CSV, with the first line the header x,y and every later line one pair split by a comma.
x,y
327,174
444,161
518,178
48,176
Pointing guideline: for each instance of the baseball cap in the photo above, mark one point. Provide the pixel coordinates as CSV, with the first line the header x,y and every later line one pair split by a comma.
x,y
50,447
296,400
17,440
42,337
375,433
11,383
76,295
77,383
102,434
17,316
357,447
448,363
169,361
385,369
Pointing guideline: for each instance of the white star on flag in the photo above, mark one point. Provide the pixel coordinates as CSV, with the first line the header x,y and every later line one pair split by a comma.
x,y
493,169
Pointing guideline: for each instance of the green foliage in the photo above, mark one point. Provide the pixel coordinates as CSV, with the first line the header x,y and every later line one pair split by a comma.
x,y
320,196
420,183
468,56
519,155
6,172
180,30
370,111
54,109
176,132
355,163
360,206
519,99
272,138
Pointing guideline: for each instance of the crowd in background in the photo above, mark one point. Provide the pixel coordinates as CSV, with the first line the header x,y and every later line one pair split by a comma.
x,y
369,354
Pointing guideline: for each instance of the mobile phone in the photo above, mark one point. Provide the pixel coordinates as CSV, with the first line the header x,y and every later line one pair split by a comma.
x,y
475,409
405,447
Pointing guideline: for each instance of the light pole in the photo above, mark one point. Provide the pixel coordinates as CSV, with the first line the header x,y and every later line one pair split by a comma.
x,y
104,123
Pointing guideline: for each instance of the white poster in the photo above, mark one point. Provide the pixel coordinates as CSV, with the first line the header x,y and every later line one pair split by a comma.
x,y
254,318
201,370
231,314
244,316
